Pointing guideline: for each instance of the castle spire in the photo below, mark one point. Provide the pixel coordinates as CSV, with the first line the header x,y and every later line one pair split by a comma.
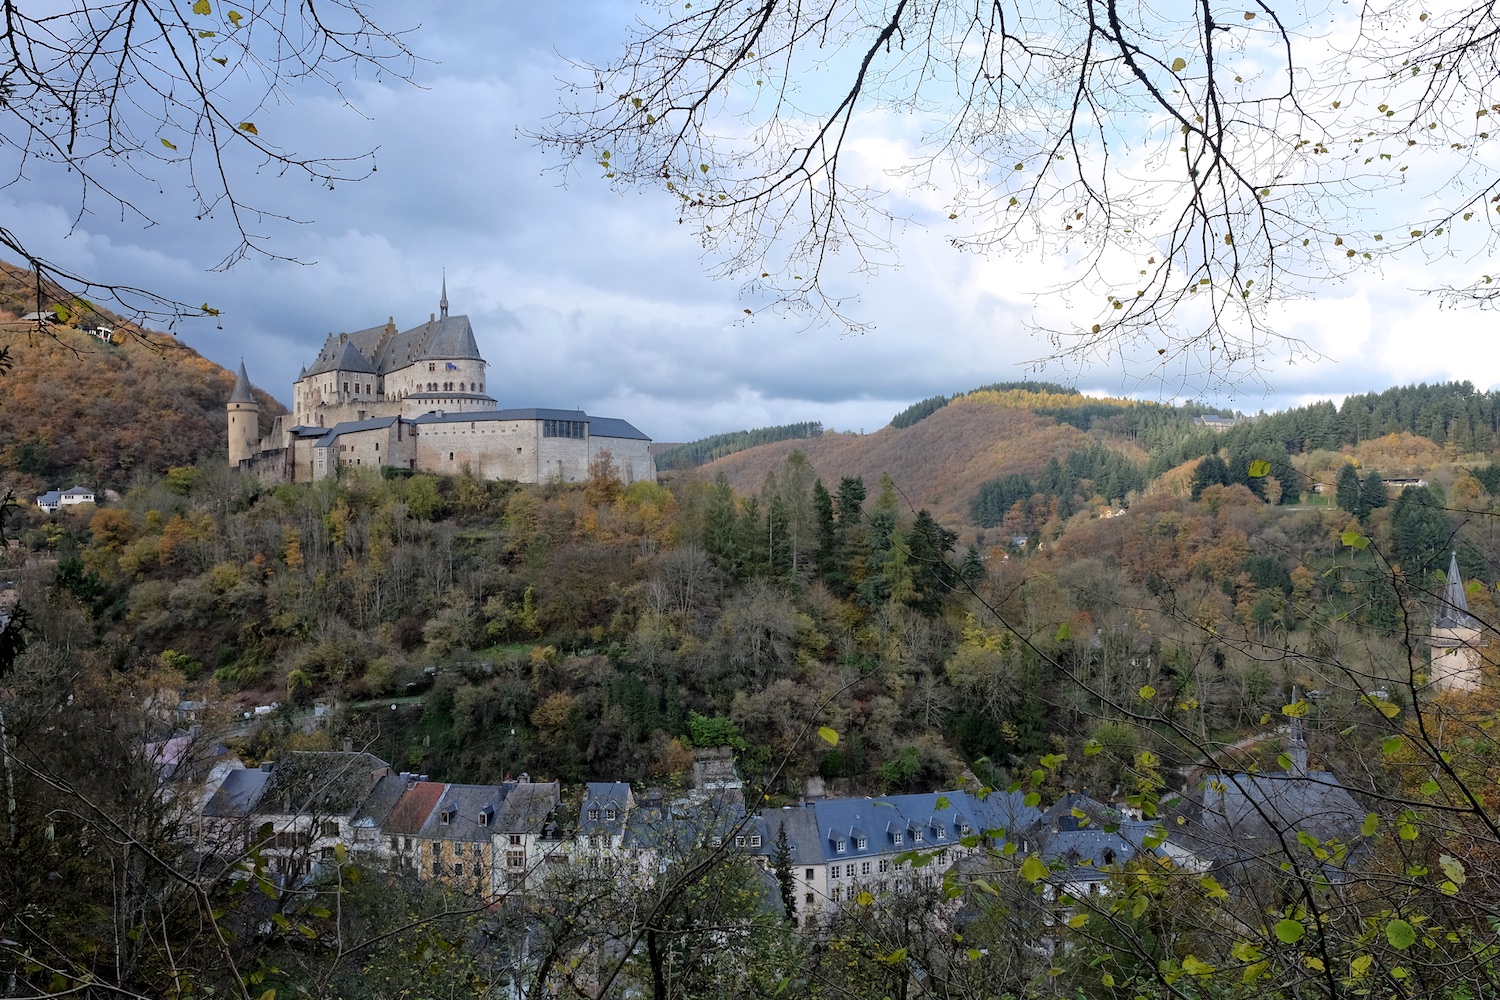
x,y
443,305
241,393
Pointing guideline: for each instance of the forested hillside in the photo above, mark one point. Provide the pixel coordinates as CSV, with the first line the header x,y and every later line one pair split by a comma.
x,y
81,409
826,631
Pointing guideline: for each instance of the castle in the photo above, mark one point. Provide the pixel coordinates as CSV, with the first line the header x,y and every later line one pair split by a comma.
x,y
416,400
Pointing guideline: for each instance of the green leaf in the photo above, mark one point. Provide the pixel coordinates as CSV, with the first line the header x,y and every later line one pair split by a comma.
x,y
1296,710
1148,692
1260,469
1063,632
1178,65
1400,934
1391,745
1354,540
1091,747
829,734
1370,825
1033,799
269,994
1195,966
1033,868
1289,931
1431,788
1453,868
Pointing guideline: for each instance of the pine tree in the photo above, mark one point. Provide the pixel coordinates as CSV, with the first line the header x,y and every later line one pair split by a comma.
x,y
1347,493
1372,492
781,863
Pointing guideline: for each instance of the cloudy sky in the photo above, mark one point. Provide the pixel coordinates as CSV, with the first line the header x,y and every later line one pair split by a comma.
x,y
581,296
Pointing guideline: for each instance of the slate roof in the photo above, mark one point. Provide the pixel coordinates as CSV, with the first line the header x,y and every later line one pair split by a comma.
x,y
1237,818
328,782
1454,612
375,811
678,826
331,434
458,811
242,393
351,360
240,793
527,806
598,426
382,350
603,796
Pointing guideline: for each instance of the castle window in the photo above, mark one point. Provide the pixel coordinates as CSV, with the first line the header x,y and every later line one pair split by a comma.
x,y
450,456
432,366
346,388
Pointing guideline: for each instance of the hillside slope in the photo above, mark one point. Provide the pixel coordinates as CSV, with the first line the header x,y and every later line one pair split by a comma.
x,y
938,463
74,408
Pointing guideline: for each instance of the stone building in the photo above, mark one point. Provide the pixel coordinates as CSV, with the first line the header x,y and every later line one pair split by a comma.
x,y
1457,645
417,400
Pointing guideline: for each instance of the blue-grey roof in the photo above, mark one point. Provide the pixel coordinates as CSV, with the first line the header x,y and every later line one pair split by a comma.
x,y
603,796
242,393
613,427
1454,612
528,806
331,434
50,497
598,426
351,360
459,811
240,793
679,826
1238,818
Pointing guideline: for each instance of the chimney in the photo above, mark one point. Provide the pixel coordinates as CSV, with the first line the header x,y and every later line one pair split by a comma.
x,y
267,765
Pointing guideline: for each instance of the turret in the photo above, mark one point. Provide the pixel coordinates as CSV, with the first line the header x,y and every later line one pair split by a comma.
x,y
1455,639
244,420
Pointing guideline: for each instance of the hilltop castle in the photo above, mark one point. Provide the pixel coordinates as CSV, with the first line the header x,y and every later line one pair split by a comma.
x,y
416,400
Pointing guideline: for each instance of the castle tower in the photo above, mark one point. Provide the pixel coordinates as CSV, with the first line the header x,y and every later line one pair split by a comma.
x,y
244,421
1455,639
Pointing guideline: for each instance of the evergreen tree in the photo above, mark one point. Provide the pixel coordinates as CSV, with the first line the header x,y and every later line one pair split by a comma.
x,y
972,570
1212,471
1347,493
781,864
1422,533
826,532
1372,492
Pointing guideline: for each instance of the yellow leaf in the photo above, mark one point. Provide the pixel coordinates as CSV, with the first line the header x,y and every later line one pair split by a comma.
x,y
202,7
1077,920
249,127
829,734
1178,65
236,17
168,144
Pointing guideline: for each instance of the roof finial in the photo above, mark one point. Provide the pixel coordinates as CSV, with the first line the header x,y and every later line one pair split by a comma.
x,y
443,305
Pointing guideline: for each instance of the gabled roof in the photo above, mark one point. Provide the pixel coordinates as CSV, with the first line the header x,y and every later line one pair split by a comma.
x,y
331,434
239,795
527,806
376,810
242,393
327,782
1237,818
458,811
351,360
414,807
603,796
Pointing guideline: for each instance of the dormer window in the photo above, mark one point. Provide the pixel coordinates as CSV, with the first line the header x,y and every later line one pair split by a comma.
x,y
840,846
446,816
610,814
860,843
897,838
755,840
941,833
916,836
484,817
593,814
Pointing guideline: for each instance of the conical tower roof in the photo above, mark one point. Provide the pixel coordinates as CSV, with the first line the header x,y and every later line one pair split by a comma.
x,y
1454,612
242,393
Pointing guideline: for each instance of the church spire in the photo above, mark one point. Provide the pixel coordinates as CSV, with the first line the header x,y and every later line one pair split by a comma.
x,y
1454,612
1297,743
443,305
